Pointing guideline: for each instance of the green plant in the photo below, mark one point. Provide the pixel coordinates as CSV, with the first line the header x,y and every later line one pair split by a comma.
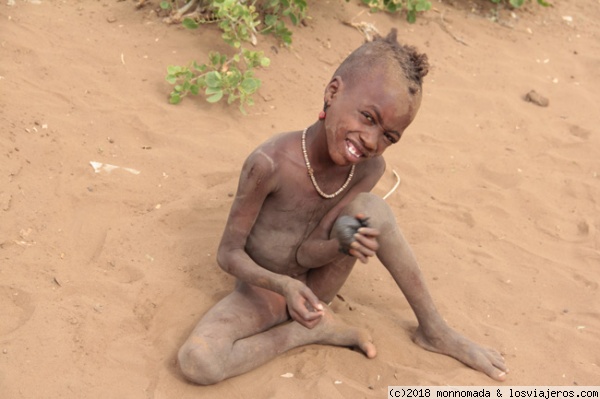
x,y
412,7
519,3
272,10
239,21
220,77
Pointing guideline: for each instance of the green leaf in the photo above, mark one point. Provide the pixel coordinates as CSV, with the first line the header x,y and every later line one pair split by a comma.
x,y
423,6
411,16
212,90
213,79
200,68
249,85
190,23
214,57
194,89
174,69
171,79
265,62
270,20
165,5
215,97
175,98
286,38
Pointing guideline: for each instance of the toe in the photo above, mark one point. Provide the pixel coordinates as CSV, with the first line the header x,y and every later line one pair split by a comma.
x,y
497,360
499,375
370,350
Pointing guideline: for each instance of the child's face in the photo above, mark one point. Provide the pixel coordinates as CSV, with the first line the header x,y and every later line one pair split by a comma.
x,y
367,116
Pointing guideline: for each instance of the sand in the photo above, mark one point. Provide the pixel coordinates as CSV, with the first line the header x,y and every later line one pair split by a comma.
x,y
103,275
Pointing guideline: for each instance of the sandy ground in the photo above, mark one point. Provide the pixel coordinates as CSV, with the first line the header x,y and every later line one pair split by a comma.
x,y
103,275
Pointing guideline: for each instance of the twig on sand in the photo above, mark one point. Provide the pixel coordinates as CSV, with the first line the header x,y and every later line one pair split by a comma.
x,y
177,15
181,11
367,29
447,30
395,185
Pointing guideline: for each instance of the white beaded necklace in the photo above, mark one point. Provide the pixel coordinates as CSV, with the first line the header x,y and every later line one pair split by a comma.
x,y
311,173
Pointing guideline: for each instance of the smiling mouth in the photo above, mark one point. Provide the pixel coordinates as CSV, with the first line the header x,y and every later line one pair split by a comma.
x,y
355,152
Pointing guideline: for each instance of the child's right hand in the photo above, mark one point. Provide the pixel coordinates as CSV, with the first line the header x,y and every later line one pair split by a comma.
x,y
303,305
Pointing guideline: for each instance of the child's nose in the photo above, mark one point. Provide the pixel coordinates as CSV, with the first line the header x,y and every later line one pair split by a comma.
x,y
369,140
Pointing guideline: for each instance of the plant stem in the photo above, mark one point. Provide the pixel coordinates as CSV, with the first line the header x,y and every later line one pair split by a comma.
x,y
181,11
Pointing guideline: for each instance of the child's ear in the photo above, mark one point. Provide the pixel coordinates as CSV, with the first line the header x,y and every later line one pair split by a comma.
x,y
332,88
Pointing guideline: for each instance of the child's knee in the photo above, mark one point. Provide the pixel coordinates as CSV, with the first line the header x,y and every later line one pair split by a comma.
x,y
199,366
373,207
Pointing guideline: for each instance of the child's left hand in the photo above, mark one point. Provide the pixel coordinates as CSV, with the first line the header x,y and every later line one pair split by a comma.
x,y
356,237
365,244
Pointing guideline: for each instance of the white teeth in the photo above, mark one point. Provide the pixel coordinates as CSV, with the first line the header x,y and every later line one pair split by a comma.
x,y
353,150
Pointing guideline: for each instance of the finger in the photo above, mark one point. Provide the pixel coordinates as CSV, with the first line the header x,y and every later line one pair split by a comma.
x,y
365,251
303,309
308,323
369,243
368,231
312,299
294,315
312,316
357,254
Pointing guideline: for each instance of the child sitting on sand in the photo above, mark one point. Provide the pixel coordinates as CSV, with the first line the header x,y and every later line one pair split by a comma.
x,y
303,215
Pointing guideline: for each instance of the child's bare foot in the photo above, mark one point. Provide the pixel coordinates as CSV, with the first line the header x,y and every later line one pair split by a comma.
x,y
333,331
448,342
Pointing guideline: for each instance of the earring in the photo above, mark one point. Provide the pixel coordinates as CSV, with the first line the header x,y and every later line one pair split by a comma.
x,y
323,113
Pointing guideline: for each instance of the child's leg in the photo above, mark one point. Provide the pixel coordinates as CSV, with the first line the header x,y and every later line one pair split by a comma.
x,y
326,281
241,332
433,333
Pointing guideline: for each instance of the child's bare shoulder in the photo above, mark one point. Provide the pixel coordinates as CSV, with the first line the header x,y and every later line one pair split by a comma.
x,y
270,156
274,149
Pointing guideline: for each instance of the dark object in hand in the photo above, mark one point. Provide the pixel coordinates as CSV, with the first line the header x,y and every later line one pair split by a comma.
x,y
344,229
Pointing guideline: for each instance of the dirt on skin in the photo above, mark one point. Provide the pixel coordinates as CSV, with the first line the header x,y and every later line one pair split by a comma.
x,y
103,275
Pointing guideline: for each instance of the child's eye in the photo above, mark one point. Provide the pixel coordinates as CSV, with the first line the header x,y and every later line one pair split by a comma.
x,y
391,138
368,117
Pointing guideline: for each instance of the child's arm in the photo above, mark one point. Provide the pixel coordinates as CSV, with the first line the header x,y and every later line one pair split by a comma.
x,y
258,179
322,246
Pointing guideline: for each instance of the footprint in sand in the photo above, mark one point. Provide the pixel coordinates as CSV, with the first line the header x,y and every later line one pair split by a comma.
x,y
128,274
505,178
580,132
587,283
17,308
